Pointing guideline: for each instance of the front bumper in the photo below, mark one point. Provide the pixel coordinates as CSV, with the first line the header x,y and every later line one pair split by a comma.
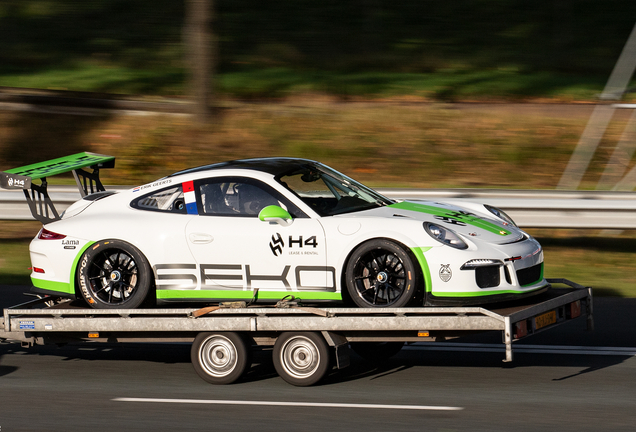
x,y
432,300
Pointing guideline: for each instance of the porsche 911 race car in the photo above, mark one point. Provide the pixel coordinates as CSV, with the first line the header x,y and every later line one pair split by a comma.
x,y
263,229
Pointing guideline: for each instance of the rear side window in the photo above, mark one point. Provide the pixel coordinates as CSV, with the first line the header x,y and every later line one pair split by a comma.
x,y
165,200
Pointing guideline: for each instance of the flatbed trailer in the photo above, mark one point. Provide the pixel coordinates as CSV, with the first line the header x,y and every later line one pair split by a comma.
x,y
305,339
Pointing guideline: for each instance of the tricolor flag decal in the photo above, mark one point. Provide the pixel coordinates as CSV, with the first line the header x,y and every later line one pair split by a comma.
x,y
189,197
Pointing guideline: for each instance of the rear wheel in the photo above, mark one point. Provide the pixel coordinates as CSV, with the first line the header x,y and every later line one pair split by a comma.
x,y
220,358
380,273
114,275
301,359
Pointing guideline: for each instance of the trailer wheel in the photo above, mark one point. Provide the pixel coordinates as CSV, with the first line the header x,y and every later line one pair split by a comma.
x,y
301,359
381,273
376,351
220,358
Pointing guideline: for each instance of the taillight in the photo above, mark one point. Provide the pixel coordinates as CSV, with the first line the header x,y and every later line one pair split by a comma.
x,y
49,235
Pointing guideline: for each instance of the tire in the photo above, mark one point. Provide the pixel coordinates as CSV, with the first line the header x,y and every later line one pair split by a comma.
x,y
220,358
376,352
380,273
113,274
301,358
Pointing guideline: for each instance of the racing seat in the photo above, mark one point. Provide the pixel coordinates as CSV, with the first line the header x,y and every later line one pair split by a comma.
x,y
214,200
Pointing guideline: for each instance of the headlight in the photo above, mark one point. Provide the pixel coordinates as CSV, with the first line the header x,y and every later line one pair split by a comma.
x,y
444,235
500,214
476,263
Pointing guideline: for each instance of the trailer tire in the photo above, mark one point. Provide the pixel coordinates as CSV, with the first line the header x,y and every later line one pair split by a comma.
x,y
220,358
376,352
301,358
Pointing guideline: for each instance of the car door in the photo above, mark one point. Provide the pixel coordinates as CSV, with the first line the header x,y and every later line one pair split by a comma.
x,y
236,251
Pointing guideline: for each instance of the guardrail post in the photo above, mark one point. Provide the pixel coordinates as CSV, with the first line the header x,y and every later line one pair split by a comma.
x,y
590,311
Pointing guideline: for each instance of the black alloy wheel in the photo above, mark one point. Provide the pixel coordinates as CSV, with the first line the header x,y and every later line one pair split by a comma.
x,y
380,273
114,275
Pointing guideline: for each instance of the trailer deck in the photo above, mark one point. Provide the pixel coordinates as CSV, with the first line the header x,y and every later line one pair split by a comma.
x,y
221,333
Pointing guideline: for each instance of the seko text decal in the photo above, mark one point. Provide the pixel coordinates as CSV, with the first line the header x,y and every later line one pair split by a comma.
x,y
233,276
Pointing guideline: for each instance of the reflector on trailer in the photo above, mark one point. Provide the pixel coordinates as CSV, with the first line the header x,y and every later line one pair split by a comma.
x,y
521,329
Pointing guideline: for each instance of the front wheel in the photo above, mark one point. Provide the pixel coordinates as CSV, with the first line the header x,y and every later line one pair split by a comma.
x,y
113,274
380,273
301,359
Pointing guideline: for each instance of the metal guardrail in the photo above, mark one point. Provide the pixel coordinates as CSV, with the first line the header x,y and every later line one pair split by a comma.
x,y
529,208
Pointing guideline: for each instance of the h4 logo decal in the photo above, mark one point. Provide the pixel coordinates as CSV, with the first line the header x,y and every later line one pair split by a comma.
x,y
277,244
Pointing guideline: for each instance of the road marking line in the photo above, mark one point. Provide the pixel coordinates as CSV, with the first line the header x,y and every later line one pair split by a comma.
x,y
533,349
293,404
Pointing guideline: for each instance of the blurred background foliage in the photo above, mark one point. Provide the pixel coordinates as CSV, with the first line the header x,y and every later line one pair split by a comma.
x,y
455,50
284,69
517,146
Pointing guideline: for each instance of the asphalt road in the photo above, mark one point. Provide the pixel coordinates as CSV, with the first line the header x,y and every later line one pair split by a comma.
x,y
153,387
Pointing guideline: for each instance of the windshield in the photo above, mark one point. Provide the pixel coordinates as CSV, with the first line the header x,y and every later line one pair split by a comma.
x,y
329,192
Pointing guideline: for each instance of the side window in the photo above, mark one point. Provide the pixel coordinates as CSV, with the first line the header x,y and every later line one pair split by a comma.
x,y
236,196
166,200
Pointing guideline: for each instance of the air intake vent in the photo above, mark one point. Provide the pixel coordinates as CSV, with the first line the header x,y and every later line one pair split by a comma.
x,y
487,277
530,275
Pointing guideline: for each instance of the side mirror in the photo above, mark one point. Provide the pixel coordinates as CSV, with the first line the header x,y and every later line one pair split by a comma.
x,y
275,215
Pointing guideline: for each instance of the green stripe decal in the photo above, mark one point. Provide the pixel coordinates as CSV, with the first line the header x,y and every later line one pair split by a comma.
x,y
240,294
64,164
60,287
74,267
419,254
484,293
461,217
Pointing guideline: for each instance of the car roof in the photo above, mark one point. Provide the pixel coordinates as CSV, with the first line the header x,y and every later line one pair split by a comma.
x,y
277,166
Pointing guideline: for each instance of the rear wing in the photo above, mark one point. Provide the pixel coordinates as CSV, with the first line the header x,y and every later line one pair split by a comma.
x,y
37,197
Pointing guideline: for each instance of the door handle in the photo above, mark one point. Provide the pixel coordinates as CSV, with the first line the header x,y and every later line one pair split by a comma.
x,y
199,238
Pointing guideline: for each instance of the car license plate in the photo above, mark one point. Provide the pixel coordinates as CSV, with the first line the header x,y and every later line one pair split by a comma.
x,y
545,320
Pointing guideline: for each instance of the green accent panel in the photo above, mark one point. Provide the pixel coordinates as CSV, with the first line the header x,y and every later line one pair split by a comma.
x,y
74,266
53,286
236,294
481,294
64,164
419,254
540,278
436,211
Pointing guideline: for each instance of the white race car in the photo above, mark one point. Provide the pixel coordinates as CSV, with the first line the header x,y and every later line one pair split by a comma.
x,y
262,229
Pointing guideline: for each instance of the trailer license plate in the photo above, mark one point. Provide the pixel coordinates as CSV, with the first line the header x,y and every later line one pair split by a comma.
x,y
545,320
